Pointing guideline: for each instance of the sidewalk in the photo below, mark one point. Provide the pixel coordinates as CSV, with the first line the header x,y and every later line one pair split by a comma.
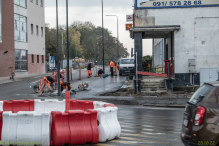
x,y
4,80
111,84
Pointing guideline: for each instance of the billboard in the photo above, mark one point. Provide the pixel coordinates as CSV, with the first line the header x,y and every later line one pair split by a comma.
x,y
160,4
128,26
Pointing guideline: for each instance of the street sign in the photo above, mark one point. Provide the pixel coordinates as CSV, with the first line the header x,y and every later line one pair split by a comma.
x,y
158,4
52,62
128,26
129,18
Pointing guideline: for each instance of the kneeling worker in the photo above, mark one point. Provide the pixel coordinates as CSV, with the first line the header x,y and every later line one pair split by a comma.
x,y
100,73
49,81
65,85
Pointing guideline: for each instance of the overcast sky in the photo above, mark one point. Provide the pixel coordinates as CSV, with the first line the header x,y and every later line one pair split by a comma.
x,y
91,10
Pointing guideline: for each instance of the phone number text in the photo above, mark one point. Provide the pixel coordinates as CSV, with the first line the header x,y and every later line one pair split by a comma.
x,y
177,3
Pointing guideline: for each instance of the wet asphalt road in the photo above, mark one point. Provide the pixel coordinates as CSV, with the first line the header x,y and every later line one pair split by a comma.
x,y
148,126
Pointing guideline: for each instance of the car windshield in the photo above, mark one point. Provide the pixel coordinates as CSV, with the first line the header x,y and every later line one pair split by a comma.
x,y
127,61
200,93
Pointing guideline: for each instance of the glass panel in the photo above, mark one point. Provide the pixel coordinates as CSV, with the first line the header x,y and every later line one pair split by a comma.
x,y
20,27
17,54
200,93
16,2
23,55
17,65
23,65
23,3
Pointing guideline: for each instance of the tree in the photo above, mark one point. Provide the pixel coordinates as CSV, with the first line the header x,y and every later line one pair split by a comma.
x,y
145,61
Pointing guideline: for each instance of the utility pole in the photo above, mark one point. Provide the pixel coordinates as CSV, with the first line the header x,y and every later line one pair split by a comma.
x,y
67,41
57,25
103,38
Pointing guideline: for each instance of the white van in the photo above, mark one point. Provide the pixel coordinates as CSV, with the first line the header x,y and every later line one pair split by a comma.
x,y
126,66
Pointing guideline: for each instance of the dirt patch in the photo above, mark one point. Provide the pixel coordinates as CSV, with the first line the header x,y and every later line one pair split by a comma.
x,y
121,92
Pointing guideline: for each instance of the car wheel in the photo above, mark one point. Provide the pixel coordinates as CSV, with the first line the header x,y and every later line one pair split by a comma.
x,y
120,74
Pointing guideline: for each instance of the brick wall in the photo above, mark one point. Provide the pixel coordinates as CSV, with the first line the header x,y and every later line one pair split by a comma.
x,y
7,60
36,68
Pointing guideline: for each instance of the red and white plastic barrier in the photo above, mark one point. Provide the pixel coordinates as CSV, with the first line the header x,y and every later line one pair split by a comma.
x,y
49,105
72,121
109,127
26,128
74,127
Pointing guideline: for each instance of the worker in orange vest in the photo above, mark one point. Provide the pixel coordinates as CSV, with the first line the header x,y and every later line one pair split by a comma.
x,y
111,67
89,66
115,67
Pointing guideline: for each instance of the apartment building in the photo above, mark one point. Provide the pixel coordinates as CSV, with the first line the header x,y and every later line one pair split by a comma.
x,y
25,20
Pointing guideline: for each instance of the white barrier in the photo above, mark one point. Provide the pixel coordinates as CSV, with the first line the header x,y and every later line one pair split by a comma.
x,y
26,128
109,127
1,105
99,104
49,105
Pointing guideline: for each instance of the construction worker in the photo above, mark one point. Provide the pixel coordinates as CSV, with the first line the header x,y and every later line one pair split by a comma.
x,y
65,85
89,70
111,67
115,67
49,81
100,73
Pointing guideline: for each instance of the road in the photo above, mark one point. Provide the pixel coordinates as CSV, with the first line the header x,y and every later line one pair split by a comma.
x,y
148,126
21,90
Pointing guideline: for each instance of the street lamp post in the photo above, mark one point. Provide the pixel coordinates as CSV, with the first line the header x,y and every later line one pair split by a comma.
x,y
67,41
103,38
57,25
117,35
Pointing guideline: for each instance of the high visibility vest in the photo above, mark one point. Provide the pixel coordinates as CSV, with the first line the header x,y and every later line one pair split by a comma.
x,y
112,64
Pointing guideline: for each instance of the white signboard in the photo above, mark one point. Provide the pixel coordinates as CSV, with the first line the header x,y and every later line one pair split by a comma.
x,y
52,62
129,18
156,4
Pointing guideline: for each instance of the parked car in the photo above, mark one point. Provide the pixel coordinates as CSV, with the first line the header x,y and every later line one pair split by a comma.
x,y
201,117
118,64
126,66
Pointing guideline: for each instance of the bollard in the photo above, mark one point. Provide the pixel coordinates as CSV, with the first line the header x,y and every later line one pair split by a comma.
x,y
40,86
71,75
67,100
79,74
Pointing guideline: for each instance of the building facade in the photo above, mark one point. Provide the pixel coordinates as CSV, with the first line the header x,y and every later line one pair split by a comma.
x,y
186,33
27,39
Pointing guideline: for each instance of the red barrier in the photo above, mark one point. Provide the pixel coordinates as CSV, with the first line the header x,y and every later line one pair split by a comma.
x,y
18,105
67,100
74,127
1,122
109,105
81,105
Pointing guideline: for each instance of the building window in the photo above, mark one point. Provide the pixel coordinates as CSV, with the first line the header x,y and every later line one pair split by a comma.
x,y
37,30
31,28
20,28
41,3
32,56
42,58
37,2
0,21
38,59
21,3
20,60
41,31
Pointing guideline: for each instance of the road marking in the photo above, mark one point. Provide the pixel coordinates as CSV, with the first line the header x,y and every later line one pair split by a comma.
x,y
152,130
128,142
145,136
148,141
149,133
103,144
157,126
152,121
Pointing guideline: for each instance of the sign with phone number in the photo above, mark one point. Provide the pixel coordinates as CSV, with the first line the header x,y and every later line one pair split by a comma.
x,y
155,4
